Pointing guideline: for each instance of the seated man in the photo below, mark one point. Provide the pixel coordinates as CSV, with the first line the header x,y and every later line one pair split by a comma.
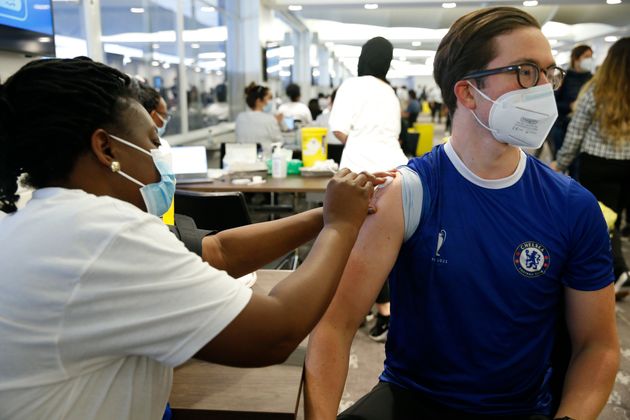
x,y
483,246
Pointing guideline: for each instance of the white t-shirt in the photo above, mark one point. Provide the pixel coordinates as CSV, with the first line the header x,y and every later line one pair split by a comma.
x,y
323,121
257,127
98,302
368,111
296,110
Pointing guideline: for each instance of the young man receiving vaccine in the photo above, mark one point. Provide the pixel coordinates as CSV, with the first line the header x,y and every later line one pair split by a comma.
x,y
489,253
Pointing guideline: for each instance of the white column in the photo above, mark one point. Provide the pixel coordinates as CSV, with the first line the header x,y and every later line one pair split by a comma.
x,y
92,20
244,50
323,55
338,72
302,66
182,77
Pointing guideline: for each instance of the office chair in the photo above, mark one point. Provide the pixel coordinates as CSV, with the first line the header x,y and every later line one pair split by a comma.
x,y
213,211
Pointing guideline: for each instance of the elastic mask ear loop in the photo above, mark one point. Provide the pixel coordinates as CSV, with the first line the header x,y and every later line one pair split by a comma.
x,y
131,145
115,167
475,115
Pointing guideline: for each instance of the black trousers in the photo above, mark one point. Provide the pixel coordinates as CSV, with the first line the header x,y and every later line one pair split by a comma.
x,y
609,181
390,402
383,295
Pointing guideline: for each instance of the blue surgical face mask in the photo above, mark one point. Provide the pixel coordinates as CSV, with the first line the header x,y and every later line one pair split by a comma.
x,y
268,108
161,130
157,196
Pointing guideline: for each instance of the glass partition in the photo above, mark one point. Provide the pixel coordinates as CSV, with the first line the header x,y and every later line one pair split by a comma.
x,y
205,36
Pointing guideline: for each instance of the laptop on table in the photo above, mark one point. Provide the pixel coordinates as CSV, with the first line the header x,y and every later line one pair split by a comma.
x,y
190,164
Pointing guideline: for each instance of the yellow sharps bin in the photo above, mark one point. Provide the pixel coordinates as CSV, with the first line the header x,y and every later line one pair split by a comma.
x,y
314,146
169,216
425,142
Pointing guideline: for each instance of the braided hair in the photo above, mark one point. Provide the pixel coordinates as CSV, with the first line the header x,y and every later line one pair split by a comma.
x,y
48,112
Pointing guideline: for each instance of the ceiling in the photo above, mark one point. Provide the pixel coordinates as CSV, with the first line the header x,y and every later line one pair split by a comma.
x,y
347,23
431,14
342,25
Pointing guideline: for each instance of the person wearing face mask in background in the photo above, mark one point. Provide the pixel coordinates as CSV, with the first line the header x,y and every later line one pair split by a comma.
x,y
257,124
98,300
155,105
579,72
488,253
294,108
599,135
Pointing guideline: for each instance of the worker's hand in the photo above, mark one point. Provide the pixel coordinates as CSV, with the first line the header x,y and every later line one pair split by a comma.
x,y
391,173
279,117
347,197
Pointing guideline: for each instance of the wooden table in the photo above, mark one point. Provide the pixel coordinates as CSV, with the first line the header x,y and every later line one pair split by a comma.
x,y
314,187
211,391
290,184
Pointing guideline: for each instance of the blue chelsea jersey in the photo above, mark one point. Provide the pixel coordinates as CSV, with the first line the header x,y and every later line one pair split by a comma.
x,y
476,289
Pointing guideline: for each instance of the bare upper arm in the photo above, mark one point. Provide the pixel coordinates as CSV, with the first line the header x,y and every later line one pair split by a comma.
x,y
590,317
371,260
341,136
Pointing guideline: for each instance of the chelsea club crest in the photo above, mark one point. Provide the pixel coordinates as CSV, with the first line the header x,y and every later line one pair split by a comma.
x,y
531,259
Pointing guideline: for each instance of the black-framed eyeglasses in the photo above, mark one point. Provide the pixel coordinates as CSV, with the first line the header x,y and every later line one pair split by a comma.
x,y
166,117
527,74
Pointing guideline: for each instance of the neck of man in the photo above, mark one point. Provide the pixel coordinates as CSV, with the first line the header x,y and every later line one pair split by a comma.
x,y
479,150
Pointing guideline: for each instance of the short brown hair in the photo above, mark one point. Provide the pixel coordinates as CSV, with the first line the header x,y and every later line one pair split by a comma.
x,y
468,45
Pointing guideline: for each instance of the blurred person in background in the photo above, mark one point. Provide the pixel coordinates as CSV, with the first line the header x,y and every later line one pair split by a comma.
x,y
599,134
257,124
323,101
313,107
295,109
579,72
218,111
366,118
413,109
155,105
435,103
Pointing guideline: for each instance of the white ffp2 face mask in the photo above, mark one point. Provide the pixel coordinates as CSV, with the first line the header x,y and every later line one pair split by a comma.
x,y
587,64
521,117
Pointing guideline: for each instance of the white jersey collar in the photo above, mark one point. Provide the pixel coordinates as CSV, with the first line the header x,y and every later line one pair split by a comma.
x,y
481,182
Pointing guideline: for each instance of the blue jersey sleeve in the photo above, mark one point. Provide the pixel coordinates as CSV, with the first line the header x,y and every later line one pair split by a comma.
x,y
589,266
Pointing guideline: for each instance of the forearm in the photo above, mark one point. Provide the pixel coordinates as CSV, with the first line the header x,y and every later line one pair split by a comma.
x,y
570,148
245,249
589,380
312,286
326,370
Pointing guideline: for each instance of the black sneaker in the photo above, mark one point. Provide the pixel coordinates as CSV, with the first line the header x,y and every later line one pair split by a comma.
x,y
380,329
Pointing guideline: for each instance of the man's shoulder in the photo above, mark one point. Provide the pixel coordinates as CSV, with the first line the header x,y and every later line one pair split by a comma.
x,y
560,188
